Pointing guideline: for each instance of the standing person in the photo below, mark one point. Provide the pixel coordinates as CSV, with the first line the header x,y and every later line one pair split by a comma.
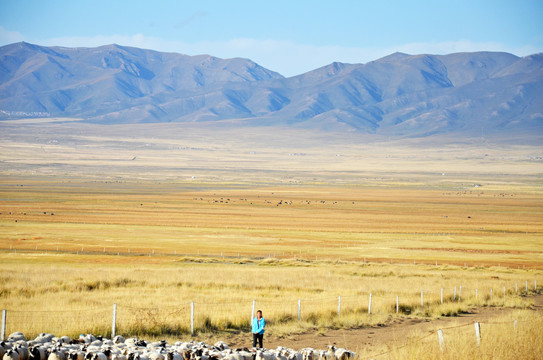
x,y
258,328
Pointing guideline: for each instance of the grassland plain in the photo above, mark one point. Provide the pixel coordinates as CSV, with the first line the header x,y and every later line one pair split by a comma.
x,y
153,221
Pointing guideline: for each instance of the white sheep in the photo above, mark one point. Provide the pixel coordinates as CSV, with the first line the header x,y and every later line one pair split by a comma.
x,y
76,355
344,354
99,356
11,354
56,354
264,355
173,355
22,350
16,336
118,339
118,357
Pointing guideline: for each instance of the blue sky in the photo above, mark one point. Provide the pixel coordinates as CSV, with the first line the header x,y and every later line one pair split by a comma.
x,y
290,37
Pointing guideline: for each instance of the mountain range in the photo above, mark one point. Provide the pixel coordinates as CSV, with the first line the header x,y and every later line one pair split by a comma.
x,y
399,95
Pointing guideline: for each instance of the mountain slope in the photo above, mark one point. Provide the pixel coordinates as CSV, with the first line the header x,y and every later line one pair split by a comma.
x,y
406,95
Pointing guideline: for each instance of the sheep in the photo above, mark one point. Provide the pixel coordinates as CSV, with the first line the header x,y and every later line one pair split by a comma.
x,y
171,355
264,355
76,355
221,345
340,353
11,354
16,336
309,354
89,338
56,354
118,339
118,357
22,350
3,349
325,355
344,354
37,353
156,356
99,356
295,356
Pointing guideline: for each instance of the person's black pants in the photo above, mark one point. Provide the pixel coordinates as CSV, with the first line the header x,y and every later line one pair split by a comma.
x,y
260,338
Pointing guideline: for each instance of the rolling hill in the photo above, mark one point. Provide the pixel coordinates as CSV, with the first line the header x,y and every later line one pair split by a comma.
x,y
398,95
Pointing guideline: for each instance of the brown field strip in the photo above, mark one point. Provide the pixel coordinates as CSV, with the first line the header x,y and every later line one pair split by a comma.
x,y
474,226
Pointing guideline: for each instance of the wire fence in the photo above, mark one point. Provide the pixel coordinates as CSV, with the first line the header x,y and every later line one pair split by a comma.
x,y
450,332
210,316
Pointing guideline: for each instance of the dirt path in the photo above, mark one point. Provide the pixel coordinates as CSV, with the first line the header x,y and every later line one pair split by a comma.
x,y
369,338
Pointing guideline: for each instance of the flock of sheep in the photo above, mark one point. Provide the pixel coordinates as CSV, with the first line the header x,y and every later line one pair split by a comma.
x,y
90,347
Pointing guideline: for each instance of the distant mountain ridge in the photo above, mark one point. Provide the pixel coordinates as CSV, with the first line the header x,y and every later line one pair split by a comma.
x,y
400,94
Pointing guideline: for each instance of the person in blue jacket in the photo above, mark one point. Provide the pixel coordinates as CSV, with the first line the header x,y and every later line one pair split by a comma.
x,y
258,328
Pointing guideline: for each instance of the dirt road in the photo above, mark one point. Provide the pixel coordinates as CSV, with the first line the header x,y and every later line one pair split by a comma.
x,y
373,337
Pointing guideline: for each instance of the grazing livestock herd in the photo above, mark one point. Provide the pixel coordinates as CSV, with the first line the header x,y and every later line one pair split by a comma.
x,y
90,347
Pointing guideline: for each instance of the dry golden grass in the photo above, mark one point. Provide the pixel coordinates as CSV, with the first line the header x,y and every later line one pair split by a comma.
x,y
67,294
500,339
239,216
475,227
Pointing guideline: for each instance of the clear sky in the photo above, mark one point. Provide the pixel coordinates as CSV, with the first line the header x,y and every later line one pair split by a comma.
x,y
289,37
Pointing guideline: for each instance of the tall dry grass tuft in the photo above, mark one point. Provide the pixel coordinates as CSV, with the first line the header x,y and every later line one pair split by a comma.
x,y
500,339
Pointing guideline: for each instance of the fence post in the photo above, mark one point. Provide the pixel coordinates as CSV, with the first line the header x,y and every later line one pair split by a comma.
x,y
478,333
299,309
369,306
339,305
421,298
526,286
3,335
475,293
253,312
441,340
504,291
535,285
490,294
192,317
114,321
441,296
397,304
460,293
454,296
516,288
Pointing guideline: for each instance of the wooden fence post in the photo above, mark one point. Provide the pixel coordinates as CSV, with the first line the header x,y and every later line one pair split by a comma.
x,y
397,304
454,296
114,321
421,298
253,312
299,309
516,288
369,306
504,291
339,305
478,333
192,317
441,340
526,286
475,293
490,294
3,334
460,293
